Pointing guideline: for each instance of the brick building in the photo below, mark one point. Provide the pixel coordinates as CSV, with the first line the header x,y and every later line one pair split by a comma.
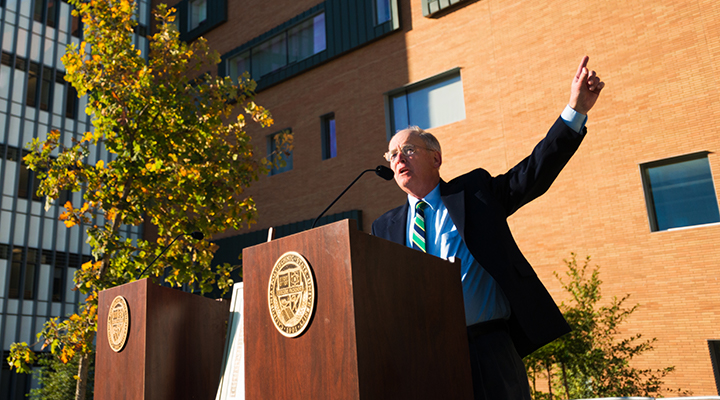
x,y
488,78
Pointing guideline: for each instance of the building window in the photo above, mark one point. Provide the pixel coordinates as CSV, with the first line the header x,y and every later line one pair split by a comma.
x,y
382,11
71,102
714,346
13,153
432,8
44,89
270,55
306,39
18,285
290,46
71,97
197,14
43,7
76,27
28,183
57,287
679,192
280,163
238,65
7,59
430,103
329,142
197,17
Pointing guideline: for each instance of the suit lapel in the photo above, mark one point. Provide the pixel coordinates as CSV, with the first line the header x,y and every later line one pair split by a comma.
x,y
454,200
398,224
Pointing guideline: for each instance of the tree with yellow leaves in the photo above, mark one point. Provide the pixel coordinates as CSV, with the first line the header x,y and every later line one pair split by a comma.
x,y
179,160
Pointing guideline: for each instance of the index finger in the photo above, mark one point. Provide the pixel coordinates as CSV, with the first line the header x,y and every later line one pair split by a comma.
x,y
583,64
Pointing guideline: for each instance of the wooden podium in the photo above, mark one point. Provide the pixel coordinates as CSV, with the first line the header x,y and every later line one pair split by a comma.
x,y
174,346
389,322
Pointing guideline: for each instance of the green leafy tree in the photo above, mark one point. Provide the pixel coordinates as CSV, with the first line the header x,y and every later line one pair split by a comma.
x,y
180,158
57,380
593,360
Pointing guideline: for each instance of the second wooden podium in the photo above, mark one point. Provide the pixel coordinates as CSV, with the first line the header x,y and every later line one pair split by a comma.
x,y
387,323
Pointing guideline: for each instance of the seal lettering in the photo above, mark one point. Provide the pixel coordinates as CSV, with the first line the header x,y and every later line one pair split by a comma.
x,y
291,294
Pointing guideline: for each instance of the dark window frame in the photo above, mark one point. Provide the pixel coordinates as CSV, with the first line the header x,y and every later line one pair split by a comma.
x,y
23,274
48,12
341,38
648,190
328,134
215,15
714,348
40,86
283,32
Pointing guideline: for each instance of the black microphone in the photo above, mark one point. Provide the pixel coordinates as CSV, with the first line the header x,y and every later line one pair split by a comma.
x,y
195,235
384,172
381,171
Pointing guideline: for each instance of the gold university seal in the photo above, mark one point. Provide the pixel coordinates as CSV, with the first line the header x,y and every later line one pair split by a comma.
x,y
291,294
118,322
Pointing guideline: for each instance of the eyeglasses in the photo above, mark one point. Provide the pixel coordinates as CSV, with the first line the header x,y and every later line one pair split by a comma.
x,y
408,150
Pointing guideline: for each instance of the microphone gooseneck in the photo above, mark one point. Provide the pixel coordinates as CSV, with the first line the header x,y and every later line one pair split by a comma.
x,y
381,171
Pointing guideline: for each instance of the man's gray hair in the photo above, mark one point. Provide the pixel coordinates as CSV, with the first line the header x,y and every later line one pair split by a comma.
x,y
430,140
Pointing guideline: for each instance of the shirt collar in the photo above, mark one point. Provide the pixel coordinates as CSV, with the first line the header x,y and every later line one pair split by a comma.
x,y
432,198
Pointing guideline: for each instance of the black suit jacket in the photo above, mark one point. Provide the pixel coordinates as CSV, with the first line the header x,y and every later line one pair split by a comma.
x,y
479,206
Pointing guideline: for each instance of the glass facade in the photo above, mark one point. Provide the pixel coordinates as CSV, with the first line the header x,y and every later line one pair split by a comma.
x,y
38,254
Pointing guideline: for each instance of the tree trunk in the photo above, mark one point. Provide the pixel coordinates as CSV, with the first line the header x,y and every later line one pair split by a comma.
x,y
534,380
565,382
81,387
548,368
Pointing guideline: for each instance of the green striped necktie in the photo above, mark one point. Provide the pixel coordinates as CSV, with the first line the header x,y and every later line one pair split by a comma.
x,y
418,232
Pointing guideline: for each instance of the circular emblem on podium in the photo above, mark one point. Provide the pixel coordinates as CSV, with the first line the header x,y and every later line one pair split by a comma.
x,y
291,294
118,322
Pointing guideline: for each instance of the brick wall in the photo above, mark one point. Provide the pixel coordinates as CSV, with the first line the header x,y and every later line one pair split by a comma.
x,y
659,62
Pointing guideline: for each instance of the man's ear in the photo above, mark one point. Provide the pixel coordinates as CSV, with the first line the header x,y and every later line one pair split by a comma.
x,y
437,159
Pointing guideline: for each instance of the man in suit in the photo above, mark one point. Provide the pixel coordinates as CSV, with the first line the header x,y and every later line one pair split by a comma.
x,y
508,311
